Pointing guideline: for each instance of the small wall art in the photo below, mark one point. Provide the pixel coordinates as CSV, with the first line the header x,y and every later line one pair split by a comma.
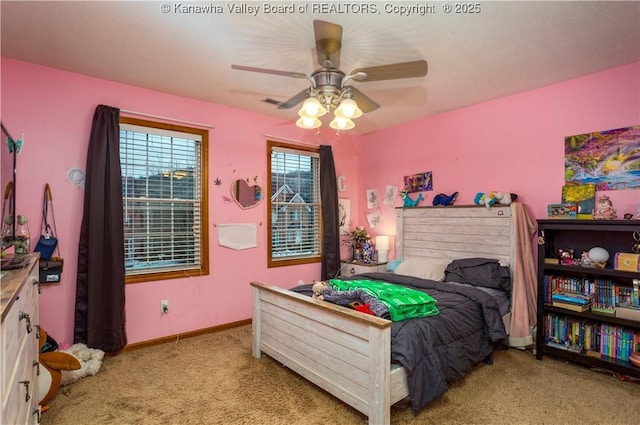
x,y
418,182
374,218
390,195
372,199
344,215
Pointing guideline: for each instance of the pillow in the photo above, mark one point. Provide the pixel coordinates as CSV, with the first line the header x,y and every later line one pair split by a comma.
x,y
484,272
424,268
393,265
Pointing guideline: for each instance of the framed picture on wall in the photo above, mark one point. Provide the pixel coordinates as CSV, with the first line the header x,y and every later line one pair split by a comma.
x,y
418,182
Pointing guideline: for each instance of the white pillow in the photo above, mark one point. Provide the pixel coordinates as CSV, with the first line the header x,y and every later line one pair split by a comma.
x,y
424,268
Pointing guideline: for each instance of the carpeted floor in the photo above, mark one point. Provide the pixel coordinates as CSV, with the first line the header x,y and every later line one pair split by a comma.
x,y
212,379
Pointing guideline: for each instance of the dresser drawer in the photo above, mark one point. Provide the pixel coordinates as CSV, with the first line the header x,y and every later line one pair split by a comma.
x,y
20,393
349,269
17,329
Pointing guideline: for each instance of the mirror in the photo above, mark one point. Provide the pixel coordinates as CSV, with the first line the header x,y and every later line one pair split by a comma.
x,y
244,195
8,171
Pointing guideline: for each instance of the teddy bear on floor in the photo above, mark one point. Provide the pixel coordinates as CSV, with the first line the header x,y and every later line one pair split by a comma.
x,y
52,364
318,290
90,362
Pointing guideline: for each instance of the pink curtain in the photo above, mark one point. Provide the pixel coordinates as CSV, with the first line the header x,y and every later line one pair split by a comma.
x,y
525,287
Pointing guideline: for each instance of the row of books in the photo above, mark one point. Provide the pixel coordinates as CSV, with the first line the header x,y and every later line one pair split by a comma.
x,y
604,292
578,335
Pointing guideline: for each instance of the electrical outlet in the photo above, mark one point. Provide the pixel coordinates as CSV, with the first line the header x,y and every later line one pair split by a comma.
x,y
164,306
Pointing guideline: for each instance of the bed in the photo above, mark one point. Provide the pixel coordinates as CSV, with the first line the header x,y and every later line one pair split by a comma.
x,y
350,354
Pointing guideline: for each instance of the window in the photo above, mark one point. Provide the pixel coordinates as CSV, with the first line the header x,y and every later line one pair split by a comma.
x,y
294,204
164,194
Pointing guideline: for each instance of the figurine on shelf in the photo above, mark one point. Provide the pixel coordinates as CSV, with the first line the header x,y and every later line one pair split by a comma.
x,y
604,209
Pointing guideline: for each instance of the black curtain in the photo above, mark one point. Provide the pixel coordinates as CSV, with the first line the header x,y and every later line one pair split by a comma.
x,y
100,294
330,227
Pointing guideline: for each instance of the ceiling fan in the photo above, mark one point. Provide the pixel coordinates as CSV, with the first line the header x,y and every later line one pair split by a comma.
x,y
329,88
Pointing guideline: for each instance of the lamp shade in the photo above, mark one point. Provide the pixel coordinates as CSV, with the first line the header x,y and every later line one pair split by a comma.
x,y
312,108
348,109
308,122
341,123
382,246
382,243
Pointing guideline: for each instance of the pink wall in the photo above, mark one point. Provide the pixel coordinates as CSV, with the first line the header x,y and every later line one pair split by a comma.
x,y
512,144
55,108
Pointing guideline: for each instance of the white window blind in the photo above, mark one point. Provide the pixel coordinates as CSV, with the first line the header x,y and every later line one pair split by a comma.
x,y
295,204
161,189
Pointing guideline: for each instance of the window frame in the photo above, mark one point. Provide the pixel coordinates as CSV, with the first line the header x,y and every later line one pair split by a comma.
x,y
203,270
271,262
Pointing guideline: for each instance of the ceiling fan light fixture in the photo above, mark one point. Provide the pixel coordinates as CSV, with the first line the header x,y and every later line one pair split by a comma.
x,y
312,108
348,108
308,122
341,123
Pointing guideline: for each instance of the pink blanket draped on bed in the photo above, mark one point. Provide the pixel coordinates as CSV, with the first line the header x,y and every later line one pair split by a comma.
x,y
524,288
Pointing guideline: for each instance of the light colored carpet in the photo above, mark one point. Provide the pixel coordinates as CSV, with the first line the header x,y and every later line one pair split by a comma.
x,y
212,379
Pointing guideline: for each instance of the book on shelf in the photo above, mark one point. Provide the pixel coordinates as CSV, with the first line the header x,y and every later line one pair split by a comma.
x,y
571,298
571,306
548,260
604,310
567,347
628,313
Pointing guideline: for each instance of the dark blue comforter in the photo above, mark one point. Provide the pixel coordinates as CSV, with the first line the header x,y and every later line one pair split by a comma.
x,y
440,349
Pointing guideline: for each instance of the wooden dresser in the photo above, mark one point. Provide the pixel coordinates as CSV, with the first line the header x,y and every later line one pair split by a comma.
x,y
19,344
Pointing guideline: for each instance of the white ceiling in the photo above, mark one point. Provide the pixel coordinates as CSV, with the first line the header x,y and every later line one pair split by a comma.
x,y
506,48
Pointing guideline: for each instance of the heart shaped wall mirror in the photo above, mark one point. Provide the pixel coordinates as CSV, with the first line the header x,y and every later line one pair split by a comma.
x,y
244,195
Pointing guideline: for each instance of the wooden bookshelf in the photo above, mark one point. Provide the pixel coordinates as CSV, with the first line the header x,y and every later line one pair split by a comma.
x,y
582,235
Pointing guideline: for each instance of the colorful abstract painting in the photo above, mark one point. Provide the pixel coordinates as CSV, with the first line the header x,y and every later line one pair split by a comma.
x,y
418,182
609,159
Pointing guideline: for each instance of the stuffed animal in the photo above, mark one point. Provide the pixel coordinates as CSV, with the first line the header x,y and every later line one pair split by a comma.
x,y
485,199
52,363
318,290
444,199
90,363
501,198
505,198
407,201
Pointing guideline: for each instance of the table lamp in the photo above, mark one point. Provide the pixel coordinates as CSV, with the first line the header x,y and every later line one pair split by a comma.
x,y
382,246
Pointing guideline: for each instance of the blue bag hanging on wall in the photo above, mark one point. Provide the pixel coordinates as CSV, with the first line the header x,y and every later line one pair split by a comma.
x,y
50,265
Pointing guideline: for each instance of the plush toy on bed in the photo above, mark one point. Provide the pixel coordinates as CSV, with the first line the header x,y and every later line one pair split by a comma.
x,y
318,290
50,376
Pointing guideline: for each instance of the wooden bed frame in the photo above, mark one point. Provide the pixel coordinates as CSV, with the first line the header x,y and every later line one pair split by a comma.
x,y
347,353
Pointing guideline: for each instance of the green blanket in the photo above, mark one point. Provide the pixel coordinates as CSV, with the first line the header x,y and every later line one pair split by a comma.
x,y
403,302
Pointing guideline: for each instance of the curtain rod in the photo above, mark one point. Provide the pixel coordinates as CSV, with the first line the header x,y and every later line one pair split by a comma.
x,y
142,114
285,139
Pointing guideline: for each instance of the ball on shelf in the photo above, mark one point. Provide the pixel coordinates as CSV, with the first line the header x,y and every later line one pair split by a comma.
x,y
598,254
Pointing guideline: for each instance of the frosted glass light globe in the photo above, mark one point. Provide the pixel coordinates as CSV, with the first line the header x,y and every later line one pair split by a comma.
x,y
598,254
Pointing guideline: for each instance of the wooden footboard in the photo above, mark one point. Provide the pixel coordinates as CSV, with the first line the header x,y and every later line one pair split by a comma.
x,y
344,352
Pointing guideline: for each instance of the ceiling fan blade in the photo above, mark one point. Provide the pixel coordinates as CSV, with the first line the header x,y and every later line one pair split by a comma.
x,y
270,71
290,103
394,71
364,102
271,101
328,43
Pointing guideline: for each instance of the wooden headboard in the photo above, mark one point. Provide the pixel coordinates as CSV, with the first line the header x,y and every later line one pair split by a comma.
x,y
455,232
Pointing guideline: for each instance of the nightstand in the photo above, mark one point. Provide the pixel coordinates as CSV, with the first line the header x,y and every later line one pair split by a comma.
x,y
350,268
